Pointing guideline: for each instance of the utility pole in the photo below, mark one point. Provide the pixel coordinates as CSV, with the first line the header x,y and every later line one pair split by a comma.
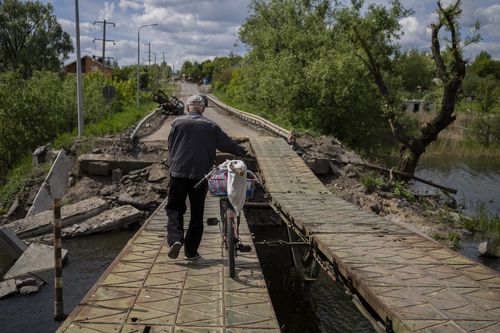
x,y
149,54
79,88
139,54
104,40
164,56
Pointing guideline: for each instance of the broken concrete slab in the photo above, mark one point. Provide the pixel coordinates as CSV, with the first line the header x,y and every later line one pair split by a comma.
x,y
109,220
43,154
157,173
489,248
98,169
28,282
54,185
116,175
36,258
27,290
8,288
144,200
320,166
126,165
42,223
11,244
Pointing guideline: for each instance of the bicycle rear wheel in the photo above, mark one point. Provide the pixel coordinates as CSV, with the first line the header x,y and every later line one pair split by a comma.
x,y
231,246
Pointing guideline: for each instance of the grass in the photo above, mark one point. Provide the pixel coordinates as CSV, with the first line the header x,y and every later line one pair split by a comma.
x,y
463,148
451,239
372,182
487,225
400,189
24,174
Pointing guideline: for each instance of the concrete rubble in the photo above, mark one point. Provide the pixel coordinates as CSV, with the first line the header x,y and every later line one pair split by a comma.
x,y
55,184
489,248
324,155
103,164
10,244
19,286
117,218
42,223
8,288
36,258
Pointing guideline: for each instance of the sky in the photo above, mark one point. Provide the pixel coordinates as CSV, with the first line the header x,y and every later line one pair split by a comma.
x,y
196,30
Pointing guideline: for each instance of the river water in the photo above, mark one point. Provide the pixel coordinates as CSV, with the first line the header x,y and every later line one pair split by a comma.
x,y
320,306
476,179
88,259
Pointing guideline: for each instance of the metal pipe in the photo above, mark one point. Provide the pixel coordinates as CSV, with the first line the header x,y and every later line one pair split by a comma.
x,y
58,301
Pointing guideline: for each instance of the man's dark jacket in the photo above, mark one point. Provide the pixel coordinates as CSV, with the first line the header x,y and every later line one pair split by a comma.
x,y
192,145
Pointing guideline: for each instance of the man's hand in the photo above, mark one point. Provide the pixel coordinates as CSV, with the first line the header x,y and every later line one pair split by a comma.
x,y
245,151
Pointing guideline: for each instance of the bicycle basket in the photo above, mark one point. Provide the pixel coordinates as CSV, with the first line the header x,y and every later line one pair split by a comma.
x,y
217,185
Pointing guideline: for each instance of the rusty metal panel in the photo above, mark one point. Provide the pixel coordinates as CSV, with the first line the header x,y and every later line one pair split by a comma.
x,y
144,289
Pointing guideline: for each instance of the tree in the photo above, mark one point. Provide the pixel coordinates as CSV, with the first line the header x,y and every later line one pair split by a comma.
x,y
484,65
31,38
416,70
374,36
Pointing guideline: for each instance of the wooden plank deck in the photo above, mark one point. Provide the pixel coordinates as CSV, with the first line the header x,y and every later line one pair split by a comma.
x,y
145,291
412,282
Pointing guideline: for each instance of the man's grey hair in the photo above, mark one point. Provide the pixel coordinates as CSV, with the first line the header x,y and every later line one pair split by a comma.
x,y
196,108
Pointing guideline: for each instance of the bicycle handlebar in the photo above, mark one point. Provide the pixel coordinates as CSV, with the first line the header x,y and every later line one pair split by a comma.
x,y
215,168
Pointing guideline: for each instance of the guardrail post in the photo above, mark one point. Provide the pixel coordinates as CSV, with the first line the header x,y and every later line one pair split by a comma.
x,y
58,299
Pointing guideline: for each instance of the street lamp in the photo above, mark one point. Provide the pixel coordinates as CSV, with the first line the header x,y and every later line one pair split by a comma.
x,y
139,54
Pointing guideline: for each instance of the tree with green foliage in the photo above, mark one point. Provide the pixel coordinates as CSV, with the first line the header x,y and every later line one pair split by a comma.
x,y
374,36
416,70
484,66
31,38
300,69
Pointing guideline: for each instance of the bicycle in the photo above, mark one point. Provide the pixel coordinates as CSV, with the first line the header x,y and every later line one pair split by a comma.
x,y
229,222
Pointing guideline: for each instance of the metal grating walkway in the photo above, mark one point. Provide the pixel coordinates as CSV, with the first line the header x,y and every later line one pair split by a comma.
x,y
412,282
145,291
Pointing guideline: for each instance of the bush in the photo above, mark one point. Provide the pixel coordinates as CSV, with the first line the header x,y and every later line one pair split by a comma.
x,y
372,182
485,128
35,111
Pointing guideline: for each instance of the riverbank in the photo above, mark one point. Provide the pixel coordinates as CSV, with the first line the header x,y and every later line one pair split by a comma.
x,y
422,209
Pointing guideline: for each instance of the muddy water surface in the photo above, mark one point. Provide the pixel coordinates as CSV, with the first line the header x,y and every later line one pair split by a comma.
x,y
88,258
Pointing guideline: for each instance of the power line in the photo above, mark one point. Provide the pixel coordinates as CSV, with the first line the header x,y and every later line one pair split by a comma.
x,y
104,40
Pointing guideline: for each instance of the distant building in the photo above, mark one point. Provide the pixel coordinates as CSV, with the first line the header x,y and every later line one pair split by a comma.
x,y
89,65
415,105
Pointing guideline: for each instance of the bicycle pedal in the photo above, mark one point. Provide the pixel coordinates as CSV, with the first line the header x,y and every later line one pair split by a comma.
x,y
244,248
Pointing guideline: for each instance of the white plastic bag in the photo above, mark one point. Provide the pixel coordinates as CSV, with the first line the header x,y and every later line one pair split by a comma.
x,y
236,183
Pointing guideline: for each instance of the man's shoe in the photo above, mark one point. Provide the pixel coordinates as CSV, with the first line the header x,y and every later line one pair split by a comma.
x,y
173,252
244,248
193,258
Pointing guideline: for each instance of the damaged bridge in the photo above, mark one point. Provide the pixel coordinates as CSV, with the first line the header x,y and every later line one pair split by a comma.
x,y
403,281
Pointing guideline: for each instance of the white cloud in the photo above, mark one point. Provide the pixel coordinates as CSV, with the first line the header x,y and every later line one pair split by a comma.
x,y
126,4
201,29
415,33
107,12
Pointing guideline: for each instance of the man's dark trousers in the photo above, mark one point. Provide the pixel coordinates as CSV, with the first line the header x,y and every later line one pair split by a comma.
x,y
180,188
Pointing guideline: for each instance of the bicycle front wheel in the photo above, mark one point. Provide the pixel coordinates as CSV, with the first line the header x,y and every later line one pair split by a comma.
x,y
231,246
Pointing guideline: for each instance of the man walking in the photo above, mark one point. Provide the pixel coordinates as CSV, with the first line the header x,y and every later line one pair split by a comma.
x,y
192,146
